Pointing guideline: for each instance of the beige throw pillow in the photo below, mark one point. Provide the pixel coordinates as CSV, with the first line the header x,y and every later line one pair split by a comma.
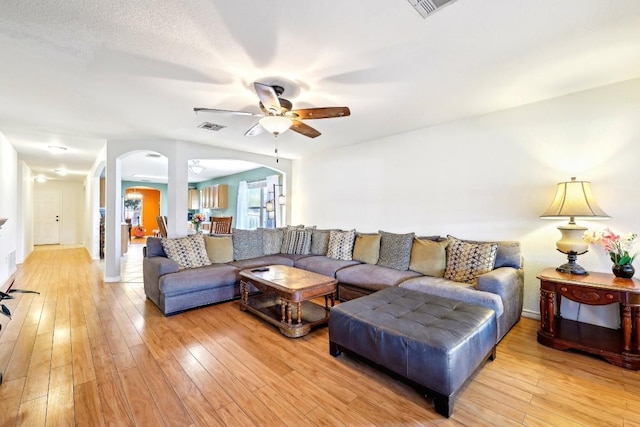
x,y
367,248
219,249
428,257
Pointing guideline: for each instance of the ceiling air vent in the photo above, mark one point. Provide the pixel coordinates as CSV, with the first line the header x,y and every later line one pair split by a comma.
x,y
211,126
428,7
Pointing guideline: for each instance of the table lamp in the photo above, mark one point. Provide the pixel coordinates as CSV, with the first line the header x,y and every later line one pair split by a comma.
x,y
574,200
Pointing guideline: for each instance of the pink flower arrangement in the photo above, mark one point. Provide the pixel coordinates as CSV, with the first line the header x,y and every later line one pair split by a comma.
x,y
197,218
617,246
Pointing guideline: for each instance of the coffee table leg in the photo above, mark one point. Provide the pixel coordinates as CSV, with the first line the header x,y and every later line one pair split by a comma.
x,y
299,313
282,310
244,293
288,312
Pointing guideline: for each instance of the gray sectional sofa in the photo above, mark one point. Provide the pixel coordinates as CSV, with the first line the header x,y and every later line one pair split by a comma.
x,y
181,274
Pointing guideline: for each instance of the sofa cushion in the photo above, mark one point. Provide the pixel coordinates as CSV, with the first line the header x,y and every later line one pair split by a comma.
x,y
428,257
320,242
323,265
188,252
219,248
297,241
366,248
466,261
192,280
154,247
272,240
508,254
262,262
341,244
247,244
373,277
395,250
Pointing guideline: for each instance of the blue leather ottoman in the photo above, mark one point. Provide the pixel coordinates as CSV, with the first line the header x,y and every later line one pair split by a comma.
x,y
435,343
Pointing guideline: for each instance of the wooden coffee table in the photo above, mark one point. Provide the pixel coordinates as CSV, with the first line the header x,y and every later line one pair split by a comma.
x,y
284,301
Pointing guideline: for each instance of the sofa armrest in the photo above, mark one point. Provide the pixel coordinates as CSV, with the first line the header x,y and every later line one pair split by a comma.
x,y
508,283
152,269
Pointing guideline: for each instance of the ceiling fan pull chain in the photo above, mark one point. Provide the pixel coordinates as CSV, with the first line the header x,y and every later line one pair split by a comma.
x,y
277,157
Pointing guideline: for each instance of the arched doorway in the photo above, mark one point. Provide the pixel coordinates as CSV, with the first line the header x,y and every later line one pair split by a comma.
x,y
141,206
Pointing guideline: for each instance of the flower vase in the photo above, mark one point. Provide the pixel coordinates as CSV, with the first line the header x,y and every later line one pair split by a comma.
x,y
625,271
197,226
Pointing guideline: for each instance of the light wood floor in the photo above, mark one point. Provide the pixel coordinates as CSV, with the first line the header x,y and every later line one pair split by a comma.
x,y
87,353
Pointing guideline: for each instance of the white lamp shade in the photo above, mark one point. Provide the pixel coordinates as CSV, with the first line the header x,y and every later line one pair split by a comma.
x,y
276,124
282,199
574,199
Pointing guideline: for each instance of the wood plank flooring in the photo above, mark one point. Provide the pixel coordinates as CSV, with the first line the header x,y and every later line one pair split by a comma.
x,y
89,353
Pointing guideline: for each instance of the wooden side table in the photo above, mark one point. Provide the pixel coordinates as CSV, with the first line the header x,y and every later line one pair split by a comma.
x,y
621,346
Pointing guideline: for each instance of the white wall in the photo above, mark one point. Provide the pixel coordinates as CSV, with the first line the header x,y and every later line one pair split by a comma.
x,y
488,177
8,209
25,208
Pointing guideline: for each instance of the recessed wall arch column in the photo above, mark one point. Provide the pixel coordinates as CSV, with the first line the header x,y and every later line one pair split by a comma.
x,y
178,154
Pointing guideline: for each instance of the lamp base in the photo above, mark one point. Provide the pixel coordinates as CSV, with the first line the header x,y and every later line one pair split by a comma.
x,y
571,267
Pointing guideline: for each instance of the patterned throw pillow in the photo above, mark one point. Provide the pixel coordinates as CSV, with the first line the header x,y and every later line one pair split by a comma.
x,y
395,250
297,240
466,261
341,244
272,240
288,236
429,257
219,249
188,252
247,244
367,248
320,242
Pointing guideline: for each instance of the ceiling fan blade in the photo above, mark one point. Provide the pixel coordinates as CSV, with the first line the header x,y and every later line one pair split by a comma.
x,y
320,113
215,110
268,97
303,129
255,130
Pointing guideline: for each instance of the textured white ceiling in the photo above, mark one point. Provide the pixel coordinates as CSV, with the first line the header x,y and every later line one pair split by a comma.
x,y
79,72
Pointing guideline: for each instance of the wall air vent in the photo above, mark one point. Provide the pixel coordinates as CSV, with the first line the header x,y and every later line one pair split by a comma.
x,y
211,126
429,7
153,155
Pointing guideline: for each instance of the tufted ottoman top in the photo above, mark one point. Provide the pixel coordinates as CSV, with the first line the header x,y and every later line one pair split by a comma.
x,y
437,342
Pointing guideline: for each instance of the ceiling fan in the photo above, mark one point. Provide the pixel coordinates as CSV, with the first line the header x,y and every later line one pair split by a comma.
x,y
278,116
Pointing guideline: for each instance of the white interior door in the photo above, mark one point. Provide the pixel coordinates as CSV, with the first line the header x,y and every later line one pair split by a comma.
x,y
46,225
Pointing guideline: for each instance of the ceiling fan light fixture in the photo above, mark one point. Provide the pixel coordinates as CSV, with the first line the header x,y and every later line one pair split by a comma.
x,y
276,124
195,167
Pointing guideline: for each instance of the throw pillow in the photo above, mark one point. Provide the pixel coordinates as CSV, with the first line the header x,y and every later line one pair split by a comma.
x,y
366,248
341,244
219,249
272,240
428,257
466,261
297,241
247,244
320,242
395,250
188,252
288,236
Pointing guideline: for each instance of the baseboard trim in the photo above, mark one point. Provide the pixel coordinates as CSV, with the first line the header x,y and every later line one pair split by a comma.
x,y
531,314
8,283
